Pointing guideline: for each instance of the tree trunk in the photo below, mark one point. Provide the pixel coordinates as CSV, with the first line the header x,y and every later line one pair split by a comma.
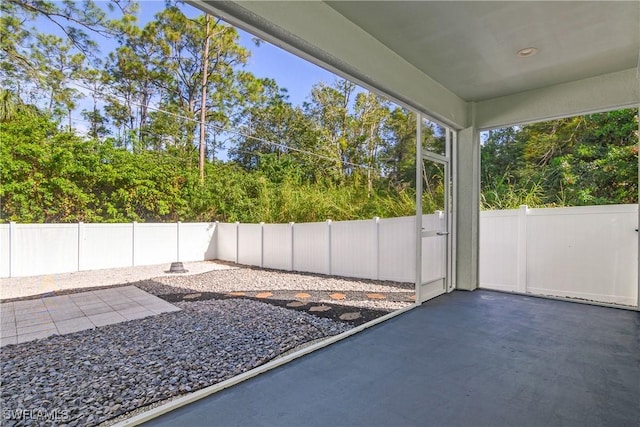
x,y
203,102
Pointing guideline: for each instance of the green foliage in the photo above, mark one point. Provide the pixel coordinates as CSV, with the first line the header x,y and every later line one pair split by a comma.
x,y
578,161
49,175
177,83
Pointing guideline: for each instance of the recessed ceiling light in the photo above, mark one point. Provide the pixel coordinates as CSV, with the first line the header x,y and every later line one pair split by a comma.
x,y
527,51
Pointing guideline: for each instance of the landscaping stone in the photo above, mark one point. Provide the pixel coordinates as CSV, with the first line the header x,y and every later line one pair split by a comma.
x,y
320,308
302,295
295,304
102,373
350,316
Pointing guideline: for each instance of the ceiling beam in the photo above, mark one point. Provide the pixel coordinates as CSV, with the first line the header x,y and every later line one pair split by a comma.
x,y
318,33
596,94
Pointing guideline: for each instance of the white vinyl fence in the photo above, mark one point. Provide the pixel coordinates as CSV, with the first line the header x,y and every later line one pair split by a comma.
x,y
369,249
579,252
34,249
582,252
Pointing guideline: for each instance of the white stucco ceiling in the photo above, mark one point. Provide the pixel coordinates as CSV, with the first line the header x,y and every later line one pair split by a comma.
x,y
470,47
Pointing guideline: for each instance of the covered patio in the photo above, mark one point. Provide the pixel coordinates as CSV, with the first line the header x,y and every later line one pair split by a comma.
x,y
464,358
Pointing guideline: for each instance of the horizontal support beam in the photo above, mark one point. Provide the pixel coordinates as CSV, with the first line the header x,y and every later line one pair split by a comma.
x,y
316,32
596,94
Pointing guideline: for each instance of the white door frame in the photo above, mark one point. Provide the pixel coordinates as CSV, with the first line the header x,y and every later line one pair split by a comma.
x,y
450,202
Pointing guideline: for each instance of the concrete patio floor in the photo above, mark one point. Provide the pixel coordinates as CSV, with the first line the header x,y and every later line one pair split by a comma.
x,y
29,320
478,358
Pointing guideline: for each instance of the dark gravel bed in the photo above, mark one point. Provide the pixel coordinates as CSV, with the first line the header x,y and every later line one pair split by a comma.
x,y
91,376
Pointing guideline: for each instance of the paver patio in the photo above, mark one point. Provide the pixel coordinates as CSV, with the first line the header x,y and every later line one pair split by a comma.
x,y
29,320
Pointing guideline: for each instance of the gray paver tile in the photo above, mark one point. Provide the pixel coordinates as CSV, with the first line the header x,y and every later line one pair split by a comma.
x,y
33,320
9,320
58,315
80,299
6,309
94,309
137,314
30,309
8,340
57,300
36,335
106,319
21,305
74,325
126,305
7,328
116,301
25,330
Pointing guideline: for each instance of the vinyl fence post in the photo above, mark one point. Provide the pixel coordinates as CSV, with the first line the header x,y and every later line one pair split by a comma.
x,y
12,248
133,244
377,225
237,241
178,241
262,245
522,249
80,245
216,252
291,224
329,246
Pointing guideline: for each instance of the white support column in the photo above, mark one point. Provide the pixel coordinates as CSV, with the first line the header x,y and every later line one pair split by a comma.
x,y
329,247
418,207
468,208
377,225
638,223
522,249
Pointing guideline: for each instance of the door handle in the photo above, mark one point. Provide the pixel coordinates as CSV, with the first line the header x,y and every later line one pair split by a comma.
x,y
442,233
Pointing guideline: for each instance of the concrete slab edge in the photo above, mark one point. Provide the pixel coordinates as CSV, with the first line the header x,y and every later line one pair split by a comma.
x,y
565,299
207,391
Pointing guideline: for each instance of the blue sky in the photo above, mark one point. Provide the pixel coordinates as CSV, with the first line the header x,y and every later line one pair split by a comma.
x,y
289,71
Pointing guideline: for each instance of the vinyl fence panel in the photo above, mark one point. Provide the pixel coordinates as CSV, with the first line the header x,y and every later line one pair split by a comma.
x,y
5,250
499,250
278,247
354,249
106,246
311,247
589,252
397,247
197,241
250,244
584,252
44,249
227,241
155,243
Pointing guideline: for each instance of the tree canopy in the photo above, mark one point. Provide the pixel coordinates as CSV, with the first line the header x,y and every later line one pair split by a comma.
x,y
175,128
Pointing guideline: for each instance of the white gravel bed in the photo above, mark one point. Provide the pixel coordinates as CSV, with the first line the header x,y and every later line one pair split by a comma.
x,y
94,375
18,287
250,279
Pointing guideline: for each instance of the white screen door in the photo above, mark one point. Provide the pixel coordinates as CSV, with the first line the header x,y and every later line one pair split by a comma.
x,y
434,221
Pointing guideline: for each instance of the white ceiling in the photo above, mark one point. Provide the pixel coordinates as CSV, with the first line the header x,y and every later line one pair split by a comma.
x,y
470,47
